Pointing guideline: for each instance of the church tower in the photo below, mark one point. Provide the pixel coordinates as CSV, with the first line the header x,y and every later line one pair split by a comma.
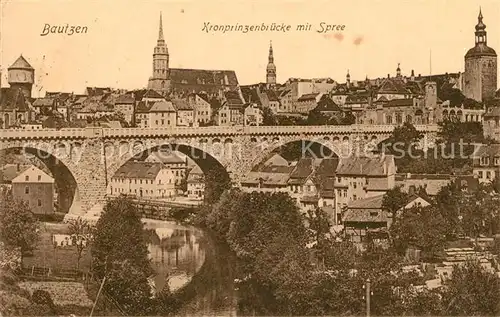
x,y
160,81
271,68
480,76
21,76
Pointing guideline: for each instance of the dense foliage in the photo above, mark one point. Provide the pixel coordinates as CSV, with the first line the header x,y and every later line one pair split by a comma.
x,y
453,149
18,225
120,255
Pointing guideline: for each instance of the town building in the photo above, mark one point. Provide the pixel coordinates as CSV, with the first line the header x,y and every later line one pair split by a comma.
x,y
196,184
155,114
125,104
185,113
201,107
253,115
491,123
480,74
486,163
36,188
145,180
14,108
362,177
366,217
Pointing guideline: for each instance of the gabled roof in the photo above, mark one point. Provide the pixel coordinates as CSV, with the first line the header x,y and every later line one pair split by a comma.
x,y
152,94
181,104
145,170
44,102
327,104
21,63
306,97
276,160
272,95
196,80
487,150
10,171
366,210
125,99
162,106
33,175
372,166
393,85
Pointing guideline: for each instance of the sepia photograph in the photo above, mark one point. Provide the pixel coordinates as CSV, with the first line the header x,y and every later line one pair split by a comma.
x,y
249,158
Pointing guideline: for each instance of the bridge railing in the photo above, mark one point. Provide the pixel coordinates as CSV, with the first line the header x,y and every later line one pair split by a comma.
x,y
92,132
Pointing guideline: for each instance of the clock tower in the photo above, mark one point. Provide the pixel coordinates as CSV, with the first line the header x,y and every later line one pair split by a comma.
x,y
21,76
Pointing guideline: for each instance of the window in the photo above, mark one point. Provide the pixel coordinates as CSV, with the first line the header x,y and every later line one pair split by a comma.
x,y
497,161
39,177
26,178
39,202
354,197
480,173
339,179
26,190
488,175
373,213
485,160
354,185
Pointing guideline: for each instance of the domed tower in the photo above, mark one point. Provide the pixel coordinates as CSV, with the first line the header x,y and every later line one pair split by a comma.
x,y
21,76
160,79
480,77
271,68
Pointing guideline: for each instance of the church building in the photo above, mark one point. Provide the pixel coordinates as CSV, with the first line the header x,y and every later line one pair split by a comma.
x,y
179,82
480,77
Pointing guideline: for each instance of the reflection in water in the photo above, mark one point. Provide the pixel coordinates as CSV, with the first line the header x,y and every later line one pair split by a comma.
x,y
176,254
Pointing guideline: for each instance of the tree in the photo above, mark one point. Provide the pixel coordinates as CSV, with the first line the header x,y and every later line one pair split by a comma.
x,y
216,183
120,254
421,227
315,117
18,225
81,234
394,199
119,235
268,117
472,291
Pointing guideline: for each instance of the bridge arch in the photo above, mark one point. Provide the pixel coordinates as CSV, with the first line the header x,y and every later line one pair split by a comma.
x,y
55,160
199,153
320,147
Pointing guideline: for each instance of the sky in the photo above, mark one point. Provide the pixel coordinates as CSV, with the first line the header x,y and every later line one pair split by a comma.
x,y
117,49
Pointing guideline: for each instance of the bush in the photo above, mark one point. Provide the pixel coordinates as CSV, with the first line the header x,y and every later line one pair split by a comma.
x,y
42,297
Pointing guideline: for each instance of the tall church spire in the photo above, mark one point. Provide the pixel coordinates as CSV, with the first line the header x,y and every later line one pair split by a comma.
x,y
161,40
271,57
271,68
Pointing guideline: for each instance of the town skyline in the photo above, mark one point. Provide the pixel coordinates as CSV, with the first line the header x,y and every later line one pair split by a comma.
x,y
91,59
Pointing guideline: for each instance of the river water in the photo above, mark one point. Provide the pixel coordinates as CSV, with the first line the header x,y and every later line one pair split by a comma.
x,y
192,265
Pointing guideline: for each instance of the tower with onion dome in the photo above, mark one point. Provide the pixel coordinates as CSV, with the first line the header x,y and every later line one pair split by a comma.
x,y
480,76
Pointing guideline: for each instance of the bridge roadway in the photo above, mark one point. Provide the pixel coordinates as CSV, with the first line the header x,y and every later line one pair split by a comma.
x,y
113,133
85,159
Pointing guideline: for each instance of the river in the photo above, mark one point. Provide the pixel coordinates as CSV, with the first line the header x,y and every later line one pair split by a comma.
x,y
197,269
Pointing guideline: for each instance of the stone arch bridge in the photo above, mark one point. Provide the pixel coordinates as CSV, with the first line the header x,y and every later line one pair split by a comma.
x,y
84,160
